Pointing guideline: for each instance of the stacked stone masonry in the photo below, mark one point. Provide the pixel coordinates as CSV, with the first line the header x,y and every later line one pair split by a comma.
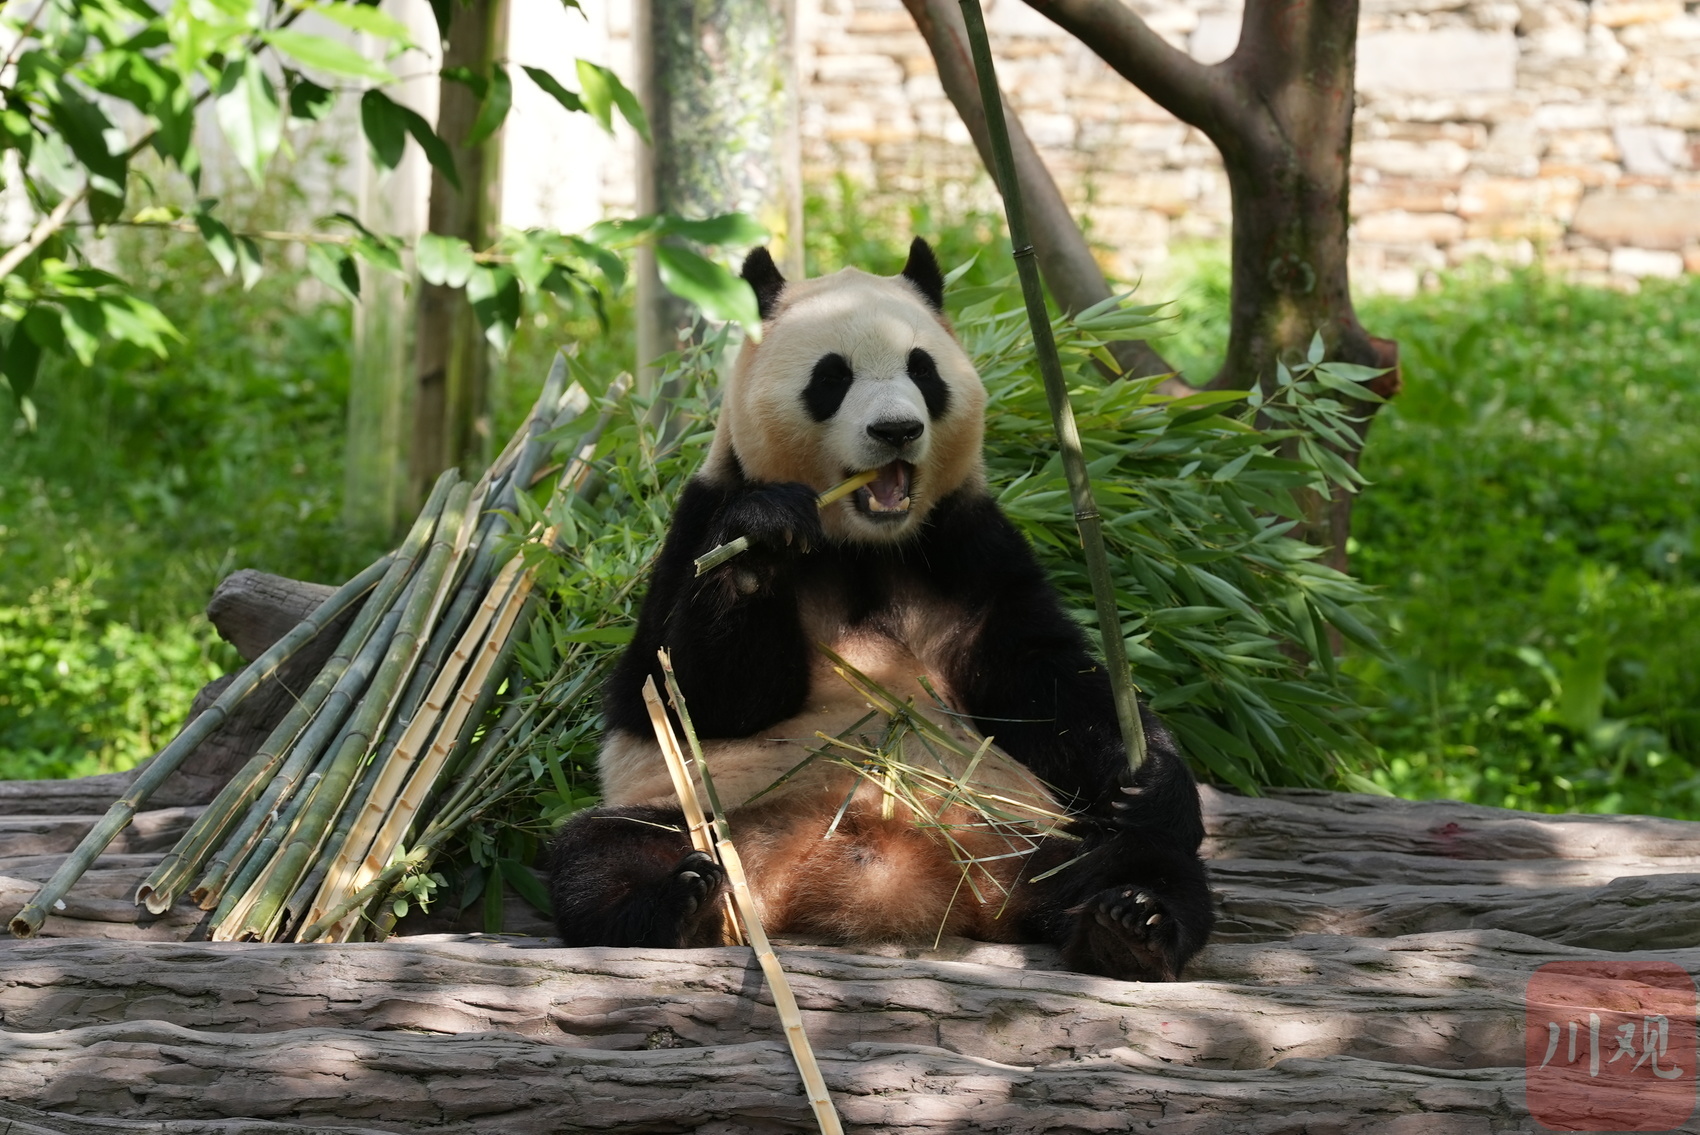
x,y
1558,131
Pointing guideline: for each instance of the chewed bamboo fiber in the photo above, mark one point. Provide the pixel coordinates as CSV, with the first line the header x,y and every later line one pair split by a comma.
x,y
802,1052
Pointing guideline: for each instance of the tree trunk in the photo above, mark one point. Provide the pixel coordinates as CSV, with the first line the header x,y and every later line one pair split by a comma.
x,y
451,424
717,80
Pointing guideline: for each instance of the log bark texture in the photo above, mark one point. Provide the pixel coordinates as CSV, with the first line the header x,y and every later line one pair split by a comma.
x,y
1368,976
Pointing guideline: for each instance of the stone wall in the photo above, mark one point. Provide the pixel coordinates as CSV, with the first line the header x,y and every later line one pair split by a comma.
x,y
1556,130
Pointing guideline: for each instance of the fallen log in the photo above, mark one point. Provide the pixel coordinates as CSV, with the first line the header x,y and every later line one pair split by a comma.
x,y
16,1119
1441,1001
1291,822
404,1082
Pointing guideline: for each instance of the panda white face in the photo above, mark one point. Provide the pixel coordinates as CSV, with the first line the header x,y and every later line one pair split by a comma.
x,y
855,373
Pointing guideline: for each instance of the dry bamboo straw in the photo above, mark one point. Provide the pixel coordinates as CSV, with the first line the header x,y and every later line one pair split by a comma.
x,y
394,810
695,822
285,873
28,920
802,1052
716,556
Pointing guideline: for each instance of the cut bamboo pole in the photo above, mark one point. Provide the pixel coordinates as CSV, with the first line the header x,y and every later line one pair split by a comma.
x,y
802,1052
159,891
394,810
28,920
226,871
1086,516
281,878
719,554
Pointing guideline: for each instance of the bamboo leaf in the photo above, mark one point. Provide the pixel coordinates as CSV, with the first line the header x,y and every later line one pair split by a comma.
x,y
330,56
553,88
445,260
493,110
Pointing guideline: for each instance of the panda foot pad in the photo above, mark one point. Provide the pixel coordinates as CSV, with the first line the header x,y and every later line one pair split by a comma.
x,y
1131,933
690,892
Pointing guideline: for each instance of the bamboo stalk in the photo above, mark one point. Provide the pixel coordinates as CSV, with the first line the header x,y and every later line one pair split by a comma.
x,y
328,728
28,920
160,889
280,879
1086,516
802,1052
394,809
719,554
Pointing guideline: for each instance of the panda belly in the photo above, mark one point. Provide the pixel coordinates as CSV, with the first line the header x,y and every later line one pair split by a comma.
x,y
828,850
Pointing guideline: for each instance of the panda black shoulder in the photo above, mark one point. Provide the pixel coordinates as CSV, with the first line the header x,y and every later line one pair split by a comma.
x,y
971,544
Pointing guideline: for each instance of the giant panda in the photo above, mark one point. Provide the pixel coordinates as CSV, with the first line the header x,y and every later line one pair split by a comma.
x,y
919,582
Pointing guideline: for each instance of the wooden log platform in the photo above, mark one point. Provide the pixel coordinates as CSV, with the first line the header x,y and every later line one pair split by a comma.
x,y
1368,976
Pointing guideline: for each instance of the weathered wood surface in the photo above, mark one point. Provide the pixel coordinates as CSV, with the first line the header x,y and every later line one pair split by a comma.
x,y
1367,976
496,1083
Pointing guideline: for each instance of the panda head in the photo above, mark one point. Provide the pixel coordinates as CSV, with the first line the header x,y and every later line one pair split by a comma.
x,y
854,373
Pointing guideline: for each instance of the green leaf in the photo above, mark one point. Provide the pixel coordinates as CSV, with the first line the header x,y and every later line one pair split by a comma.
x,y
495,298
219,241
327,55
1187,616
553,88
369,19
618,636
601,90
436,150
526,885
1314,353
21,362
1328,376
719,293
445,260
250,116
385,128
728,228
90,136
310,102
493,110
248,259
333,265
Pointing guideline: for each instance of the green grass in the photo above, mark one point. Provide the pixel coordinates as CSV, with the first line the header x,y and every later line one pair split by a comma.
x,y
1533,519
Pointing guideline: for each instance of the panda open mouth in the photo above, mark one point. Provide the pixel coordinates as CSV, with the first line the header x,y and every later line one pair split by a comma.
x,y
886,497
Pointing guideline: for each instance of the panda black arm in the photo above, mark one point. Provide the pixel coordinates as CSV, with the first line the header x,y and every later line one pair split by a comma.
x,y
734,634
1028,678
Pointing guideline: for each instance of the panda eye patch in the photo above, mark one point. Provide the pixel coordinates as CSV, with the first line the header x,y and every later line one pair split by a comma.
x,y
828,385
924,373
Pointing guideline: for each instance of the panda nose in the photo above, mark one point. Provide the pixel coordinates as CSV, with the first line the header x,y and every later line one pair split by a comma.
x,y
896,433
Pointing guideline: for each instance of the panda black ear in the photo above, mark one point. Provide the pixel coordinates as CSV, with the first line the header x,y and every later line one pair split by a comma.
x,y
763,275
922,270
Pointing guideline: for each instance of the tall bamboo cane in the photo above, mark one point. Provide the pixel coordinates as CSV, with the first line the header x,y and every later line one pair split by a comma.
x,y
28,920
1056,392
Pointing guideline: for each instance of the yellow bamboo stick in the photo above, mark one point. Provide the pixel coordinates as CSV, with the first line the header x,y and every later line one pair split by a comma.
x,y
506,599
802,1052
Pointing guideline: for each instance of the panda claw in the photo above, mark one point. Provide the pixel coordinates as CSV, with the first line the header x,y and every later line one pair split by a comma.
x,y
1133,790
1154,920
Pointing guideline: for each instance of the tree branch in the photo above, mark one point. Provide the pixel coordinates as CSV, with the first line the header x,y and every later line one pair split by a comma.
x,y
1075,280
1195,93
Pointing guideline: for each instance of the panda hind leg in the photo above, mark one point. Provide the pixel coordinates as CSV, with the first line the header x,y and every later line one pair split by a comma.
x,y
630,877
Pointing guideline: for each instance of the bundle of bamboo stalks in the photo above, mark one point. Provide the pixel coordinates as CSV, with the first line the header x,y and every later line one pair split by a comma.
x,y
374,769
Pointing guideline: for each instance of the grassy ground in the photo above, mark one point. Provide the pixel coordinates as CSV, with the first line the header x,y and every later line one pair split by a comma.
x,y
1532,519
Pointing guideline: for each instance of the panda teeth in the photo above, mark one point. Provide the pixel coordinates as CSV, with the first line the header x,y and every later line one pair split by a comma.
x,y
874,505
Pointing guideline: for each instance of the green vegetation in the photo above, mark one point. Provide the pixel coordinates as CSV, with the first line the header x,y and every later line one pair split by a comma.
x,y
1531,518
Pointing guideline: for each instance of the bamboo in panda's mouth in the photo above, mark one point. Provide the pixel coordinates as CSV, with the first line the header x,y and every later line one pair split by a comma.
x,y
888,494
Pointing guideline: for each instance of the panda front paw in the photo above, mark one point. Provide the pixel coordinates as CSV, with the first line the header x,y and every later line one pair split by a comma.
x,y
773,517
